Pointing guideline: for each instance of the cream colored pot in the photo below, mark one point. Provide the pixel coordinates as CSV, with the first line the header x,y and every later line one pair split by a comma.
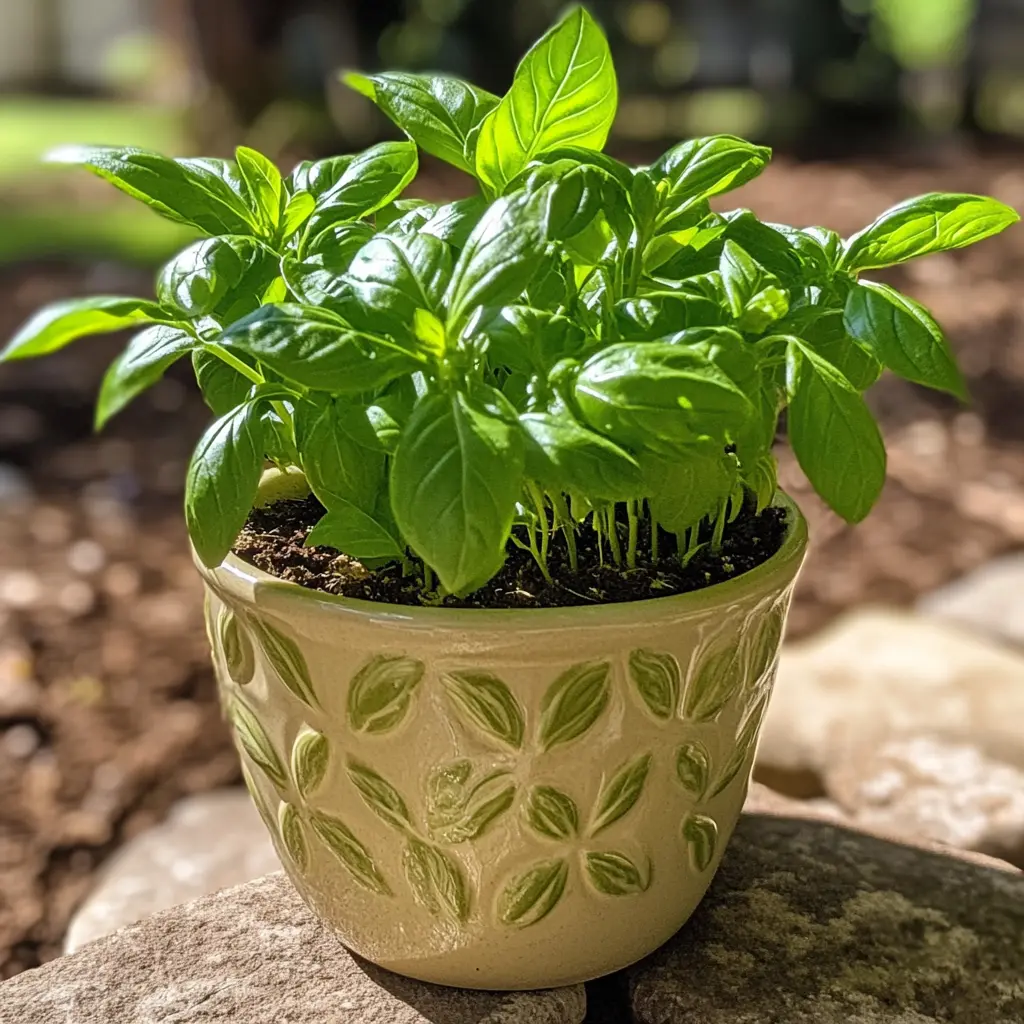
x,y
500,799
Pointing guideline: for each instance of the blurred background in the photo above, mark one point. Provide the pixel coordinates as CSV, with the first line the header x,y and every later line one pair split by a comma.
x,y
107,704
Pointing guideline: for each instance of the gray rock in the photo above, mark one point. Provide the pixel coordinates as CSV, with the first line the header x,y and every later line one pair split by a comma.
x,y
208,842
879,674
251,955
810,923
989,600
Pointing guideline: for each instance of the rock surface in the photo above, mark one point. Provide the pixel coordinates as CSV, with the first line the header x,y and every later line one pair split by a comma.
x,y
989,600
932,789
877,675
208,842
810,923
251,955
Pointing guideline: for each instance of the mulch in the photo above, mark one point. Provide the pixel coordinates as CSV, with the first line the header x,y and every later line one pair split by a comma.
x,y
107,704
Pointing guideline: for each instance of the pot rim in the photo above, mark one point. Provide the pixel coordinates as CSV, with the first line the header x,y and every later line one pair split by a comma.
x,y
245,583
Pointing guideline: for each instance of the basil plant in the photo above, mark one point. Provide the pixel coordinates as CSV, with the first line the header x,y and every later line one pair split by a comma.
x,y
579,345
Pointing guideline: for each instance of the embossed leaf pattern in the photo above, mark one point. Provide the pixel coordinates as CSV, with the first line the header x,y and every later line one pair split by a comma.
x,y
486,804
712,685
530,897
257,799
573,703
236,647
620,793
311,755
292,836
483,700
768,639
379,795
552,813
693,766
381,690
283,653
745,741
701,835
352,854
614,874
436,880
656,677
255,742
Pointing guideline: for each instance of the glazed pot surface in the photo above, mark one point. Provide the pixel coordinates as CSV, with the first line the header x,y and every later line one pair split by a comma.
x,y
500,799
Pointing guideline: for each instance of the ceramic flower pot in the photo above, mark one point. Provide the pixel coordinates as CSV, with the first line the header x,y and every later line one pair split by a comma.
x,y
500,799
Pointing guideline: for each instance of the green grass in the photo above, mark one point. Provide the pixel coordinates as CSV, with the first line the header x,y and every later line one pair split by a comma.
x,y
58,223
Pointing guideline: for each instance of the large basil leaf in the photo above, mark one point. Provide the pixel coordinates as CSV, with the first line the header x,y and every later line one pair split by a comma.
x,y
824,330
562,455
654,394
833,434
455,480
903,335
454,222
391,278
529,340
688,485
263,181
756,298
318,176
142,363
207,194
223,387
772,249
500,258
222,480
225,276
658,314
371,180
700,168
929,223
438,112
317,350
340,453
349,529
564,91
317,279
63,322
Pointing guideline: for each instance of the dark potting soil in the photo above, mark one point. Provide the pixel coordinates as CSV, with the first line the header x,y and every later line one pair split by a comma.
x,y
274,540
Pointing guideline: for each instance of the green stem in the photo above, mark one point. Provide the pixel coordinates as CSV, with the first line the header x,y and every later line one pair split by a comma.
x,y
634,524
716,537
542,516
234,362
613,537
428,578
654,537
568,528
596,522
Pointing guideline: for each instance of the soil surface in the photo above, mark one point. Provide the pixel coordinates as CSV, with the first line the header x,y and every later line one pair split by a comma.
x,y
274,540
107,703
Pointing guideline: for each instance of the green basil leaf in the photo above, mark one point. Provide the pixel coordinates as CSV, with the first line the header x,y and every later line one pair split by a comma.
x,y
562,455
354,532
771,248
454,222
318,176
754,295
486,702
341,456
824,331
318,278
818,250
436,880
223,387
438,112
657,679
223,477
143,362
620,793
530,897
564,92
930,223
296,212
206,194
391,278
225,277
614,874
455,481
902,335
700,168
381,691
658,314
573,703
833,434
315,349
653,394
687,485
370,181
263,181
500,258
63,322
528,340
552,813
